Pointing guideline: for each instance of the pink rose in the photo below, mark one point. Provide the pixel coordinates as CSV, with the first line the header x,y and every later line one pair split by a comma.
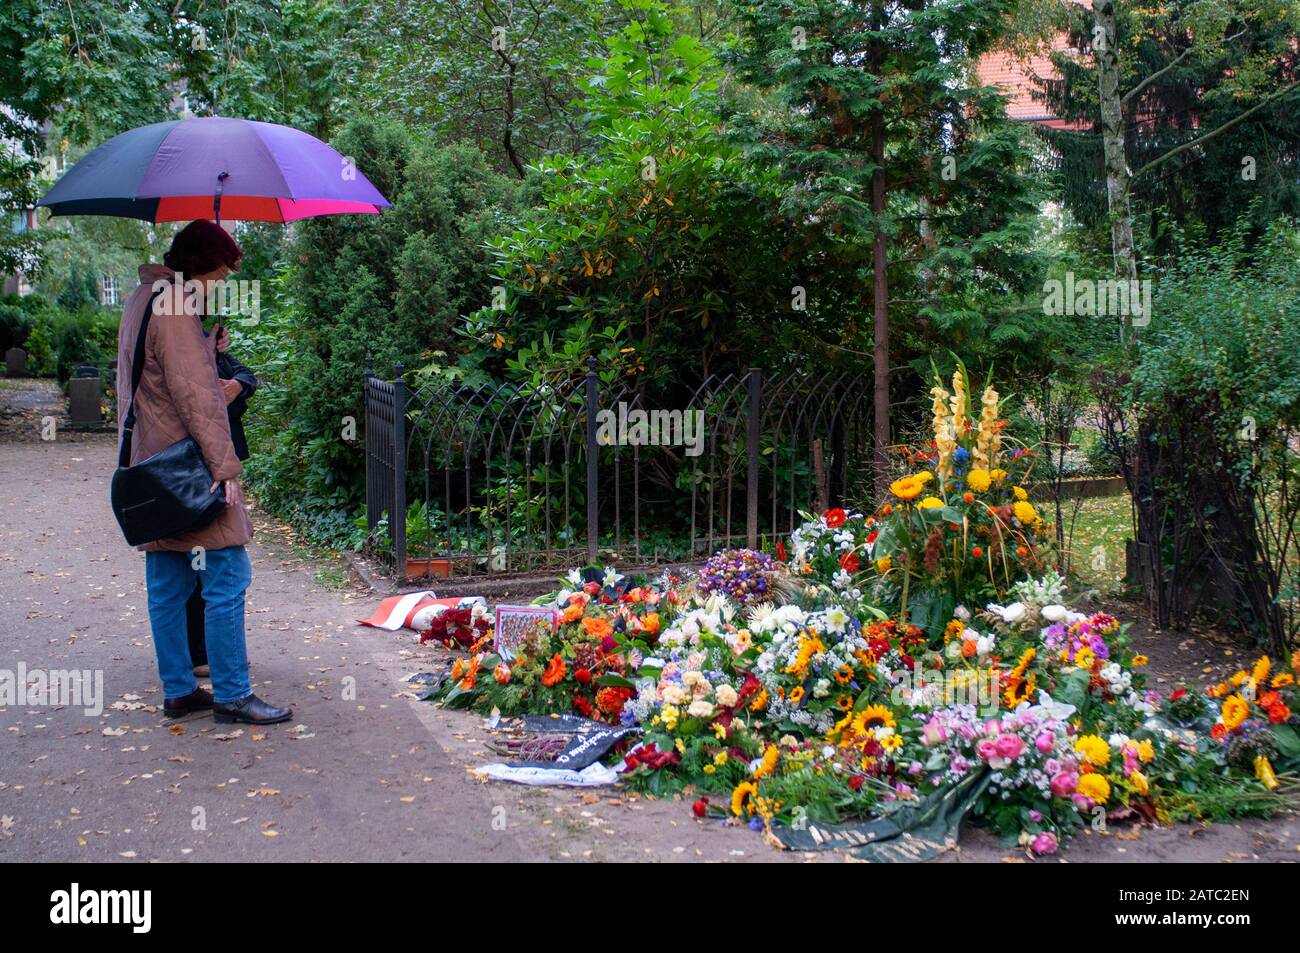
x,y
1045,742
1044,843
986,749
934,733
1010,747
1063,784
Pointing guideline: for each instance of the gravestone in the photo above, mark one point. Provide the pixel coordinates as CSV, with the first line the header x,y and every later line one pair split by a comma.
x,y
84,398
15,362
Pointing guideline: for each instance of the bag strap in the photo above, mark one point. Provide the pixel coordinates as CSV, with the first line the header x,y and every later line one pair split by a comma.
x,y
137,371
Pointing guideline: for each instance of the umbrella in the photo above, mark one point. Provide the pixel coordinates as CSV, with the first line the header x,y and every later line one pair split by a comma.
x,y
214,168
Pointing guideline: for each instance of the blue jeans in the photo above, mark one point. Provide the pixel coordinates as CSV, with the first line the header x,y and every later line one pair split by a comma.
x,y
170,578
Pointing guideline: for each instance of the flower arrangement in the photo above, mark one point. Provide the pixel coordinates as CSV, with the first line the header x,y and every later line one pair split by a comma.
x,y
960,525
868,668
744,575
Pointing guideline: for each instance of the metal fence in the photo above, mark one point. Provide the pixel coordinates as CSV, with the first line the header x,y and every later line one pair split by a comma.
x,y
507,478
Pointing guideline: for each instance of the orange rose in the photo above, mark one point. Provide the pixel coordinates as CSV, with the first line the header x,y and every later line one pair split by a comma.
x,y
501,673
572,612
650,623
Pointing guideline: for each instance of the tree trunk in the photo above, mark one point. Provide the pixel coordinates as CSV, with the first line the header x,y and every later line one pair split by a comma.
x,y
1106,51
880,287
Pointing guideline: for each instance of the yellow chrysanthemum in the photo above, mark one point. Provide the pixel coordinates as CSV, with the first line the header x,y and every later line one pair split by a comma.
x,y
1235,710
1025,512
1085,658
1020,493
908,487
1146,751
929,503
884,564
1095,787
998,475
979,480
1093,749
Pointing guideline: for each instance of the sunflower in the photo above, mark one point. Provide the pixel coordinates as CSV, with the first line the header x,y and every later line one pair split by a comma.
x,y
1283,680
844,674
872,717
845,702
796,695
760,701
1235,710
767,764
1262,668
1020,690
892,743
742,793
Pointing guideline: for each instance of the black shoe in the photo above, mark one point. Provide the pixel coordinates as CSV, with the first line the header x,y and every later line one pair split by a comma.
x,y
197,700
250,711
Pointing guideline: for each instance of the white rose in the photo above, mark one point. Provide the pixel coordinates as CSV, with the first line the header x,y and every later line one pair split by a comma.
x,y
1054,613
727,696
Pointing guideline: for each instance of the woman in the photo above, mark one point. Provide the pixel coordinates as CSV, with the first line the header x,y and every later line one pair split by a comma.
x,y
180,394
237,385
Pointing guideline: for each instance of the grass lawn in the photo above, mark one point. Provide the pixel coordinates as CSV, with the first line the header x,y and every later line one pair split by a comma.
x,y
1100,529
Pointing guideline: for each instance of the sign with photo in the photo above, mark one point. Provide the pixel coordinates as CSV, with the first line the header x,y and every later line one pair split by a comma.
x,y
513,623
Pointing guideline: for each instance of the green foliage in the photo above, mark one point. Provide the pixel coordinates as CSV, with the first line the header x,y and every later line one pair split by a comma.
x,y
1230,56
959,202
389,287
655,230
1217,386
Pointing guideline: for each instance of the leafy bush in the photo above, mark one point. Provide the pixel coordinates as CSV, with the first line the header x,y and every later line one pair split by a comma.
x,y
1216,392
390,287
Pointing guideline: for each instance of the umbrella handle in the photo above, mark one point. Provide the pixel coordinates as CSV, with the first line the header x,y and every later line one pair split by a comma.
x,y
216,199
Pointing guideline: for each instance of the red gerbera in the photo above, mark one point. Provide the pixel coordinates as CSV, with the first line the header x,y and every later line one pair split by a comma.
x,y
849,562
835,518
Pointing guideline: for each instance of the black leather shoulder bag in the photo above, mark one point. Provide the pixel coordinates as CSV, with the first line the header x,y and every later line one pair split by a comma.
x,y
166,494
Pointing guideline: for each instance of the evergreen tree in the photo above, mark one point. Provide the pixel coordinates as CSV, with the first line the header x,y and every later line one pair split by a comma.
x,y
903,169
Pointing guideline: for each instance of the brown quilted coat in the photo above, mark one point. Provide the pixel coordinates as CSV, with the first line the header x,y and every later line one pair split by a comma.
x,y
178,395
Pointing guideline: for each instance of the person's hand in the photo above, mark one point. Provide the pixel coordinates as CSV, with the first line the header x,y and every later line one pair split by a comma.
x,y
223,339
231,389
230,490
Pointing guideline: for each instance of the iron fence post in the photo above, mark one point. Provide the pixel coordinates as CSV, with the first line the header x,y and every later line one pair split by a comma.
x,y
593,529
751,478
372,513
397,519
